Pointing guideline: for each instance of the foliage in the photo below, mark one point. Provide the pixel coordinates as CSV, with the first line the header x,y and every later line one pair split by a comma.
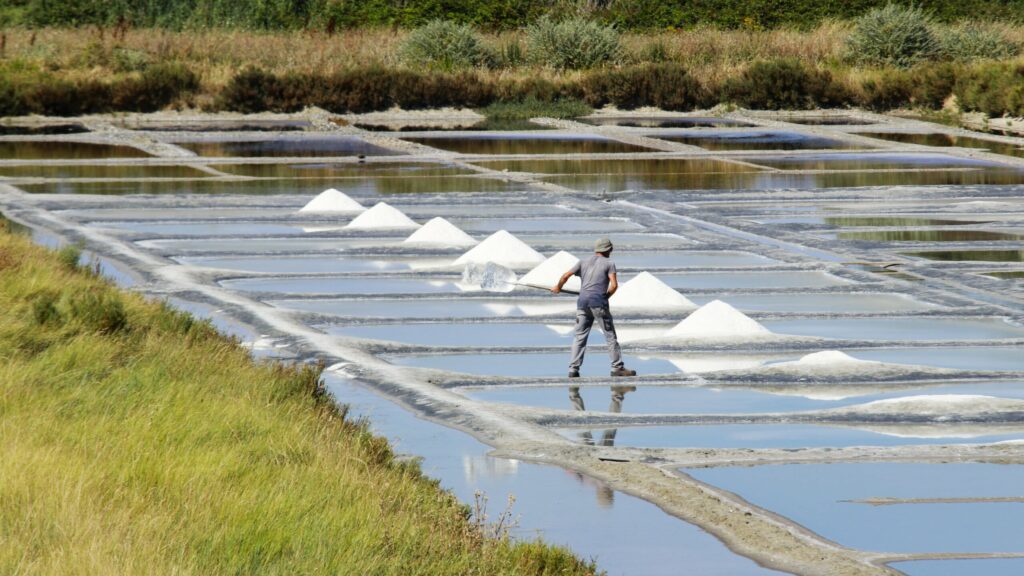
x,y
444,45
893,35
572,44
666,86
783,85
972,41
993,88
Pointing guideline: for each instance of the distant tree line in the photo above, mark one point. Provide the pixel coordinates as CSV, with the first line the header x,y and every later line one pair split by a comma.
x,y
333,15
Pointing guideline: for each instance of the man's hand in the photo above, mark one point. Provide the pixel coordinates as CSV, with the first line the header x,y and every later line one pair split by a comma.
x,y
556,290
561,282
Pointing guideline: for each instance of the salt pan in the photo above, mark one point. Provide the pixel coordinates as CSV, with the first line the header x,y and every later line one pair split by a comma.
x,y
332,200
718,320
440,232
647,292
382,216
504,249
945,406
827,358
547,274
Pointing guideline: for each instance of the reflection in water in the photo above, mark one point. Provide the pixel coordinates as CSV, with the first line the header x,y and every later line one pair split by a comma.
x,y
344,170
662,122
605,495
870,161
929,236
35,150
510,144
297,186
99,171
937,139
766,140
972,255
425,126
336,146
860,221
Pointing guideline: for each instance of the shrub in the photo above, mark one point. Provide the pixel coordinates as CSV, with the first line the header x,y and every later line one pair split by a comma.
x,y
157,87
974,42
893,35
995,89
69,256
571,44
783,85
251,90
445,45
667,86
99,310
44,308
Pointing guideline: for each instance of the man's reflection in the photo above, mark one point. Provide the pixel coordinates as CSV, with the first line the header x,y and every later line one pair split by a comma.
x,y
618,395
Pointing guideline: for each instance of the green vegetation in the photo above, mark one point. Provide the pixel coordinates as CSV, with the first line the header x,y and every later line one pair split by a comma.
x,y
516,115
784,85
894,35
135,439
445,45
970,41
490,14
572,44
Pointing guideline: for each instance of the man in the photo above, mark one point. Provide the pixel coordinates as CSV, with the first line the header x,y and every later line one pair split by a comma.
x,y
599,281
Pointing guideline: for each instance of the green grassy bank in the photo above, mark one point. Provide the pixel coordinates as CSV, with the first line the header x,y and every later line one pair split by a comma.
x,y
135,439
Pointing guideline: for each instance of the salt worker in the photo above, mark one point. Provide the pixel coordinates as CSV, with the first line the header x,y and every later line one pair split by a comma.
x,y
598,281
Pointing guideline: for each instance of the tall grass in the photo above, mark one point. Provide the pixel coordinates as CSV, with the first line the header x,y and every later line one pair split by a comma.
x,y
158,446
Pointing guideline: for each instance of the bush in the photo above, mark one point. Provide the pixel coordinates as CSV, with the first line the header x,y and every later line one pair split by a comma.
x,y
572,44
444,45
667,86
893,35
974,42
44,309
783,85
157,87
99,310
995,89
69,256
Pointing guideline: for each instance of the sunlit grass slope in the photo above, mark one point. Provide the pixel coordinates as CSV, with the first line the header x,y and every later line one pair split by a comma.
x,y
136,440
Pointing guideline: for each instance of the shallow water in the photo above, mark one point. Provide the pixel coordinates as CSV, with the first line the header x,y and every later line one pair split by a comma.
x,y
37,150
522,365
316,265
709,400
971,255
344,170
478,335
871,161
412,308
930,236
342,286
200,229
100,171
662,121
500,144
898,328
751,279
285,147
782,436
836,303
939,139
825,120
986,566
655,543
756,140
818,497
48,129
958,357
445,126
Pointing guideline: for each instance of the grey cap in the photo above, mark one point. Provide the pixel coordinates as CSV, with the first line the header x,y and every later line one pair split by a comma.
x,y
603,245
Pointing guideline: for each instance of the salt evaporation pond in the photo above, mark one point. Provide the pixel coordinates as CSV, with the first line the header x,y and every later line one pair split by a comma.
x,y
501,144
521,365
1005,358
421,308
709,400
486,334
333,286
314,265
962,567
57,150
782,436
286,147
753,279
824,498
754,140
823,303
655,543
898,328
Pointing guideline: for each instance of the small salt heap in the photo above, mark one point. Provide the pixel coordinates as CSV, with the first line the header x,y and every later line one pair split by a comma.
x,y
382,216
504,249
717,320
826,359
549,272
442,233
332,200
647,292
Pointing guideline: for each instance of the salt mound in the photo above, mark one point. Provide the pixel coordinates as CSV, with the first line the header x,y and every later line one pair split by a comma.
x,y
717,320
382,215
646,292
825,359
942,405
332,200
504,249
548,273
440,232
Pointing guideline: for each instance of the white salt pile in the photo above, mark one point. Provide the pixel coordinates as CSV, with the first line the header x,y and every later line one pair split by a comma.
x,y
647,292
827,359
547,274
382,216
945,406
504,249
440,232
332,200
720,321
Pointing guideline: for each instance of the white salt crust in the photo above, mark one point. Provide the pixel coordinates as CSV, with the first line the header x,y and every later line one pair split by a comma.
x,y
548,272
502,248
332,200
440,232
720,321
647,292
382,216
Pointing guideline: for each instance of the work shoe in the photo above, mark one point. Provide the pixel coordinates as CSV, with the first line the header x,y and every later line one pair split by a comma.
x,y
574,373
623,372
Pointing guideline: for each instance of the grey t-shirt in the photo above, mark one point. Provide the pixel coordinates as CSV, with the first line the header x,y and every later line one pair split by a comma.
x,y
593,273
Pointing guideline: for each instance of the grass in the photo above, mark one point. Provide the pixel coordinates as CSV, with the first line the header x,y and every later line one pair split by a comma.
x,y
135,439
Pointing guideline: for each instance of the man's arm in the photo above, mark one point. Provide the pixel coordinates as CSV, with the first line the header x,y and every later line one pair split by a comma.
x,y
561,281
613,283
